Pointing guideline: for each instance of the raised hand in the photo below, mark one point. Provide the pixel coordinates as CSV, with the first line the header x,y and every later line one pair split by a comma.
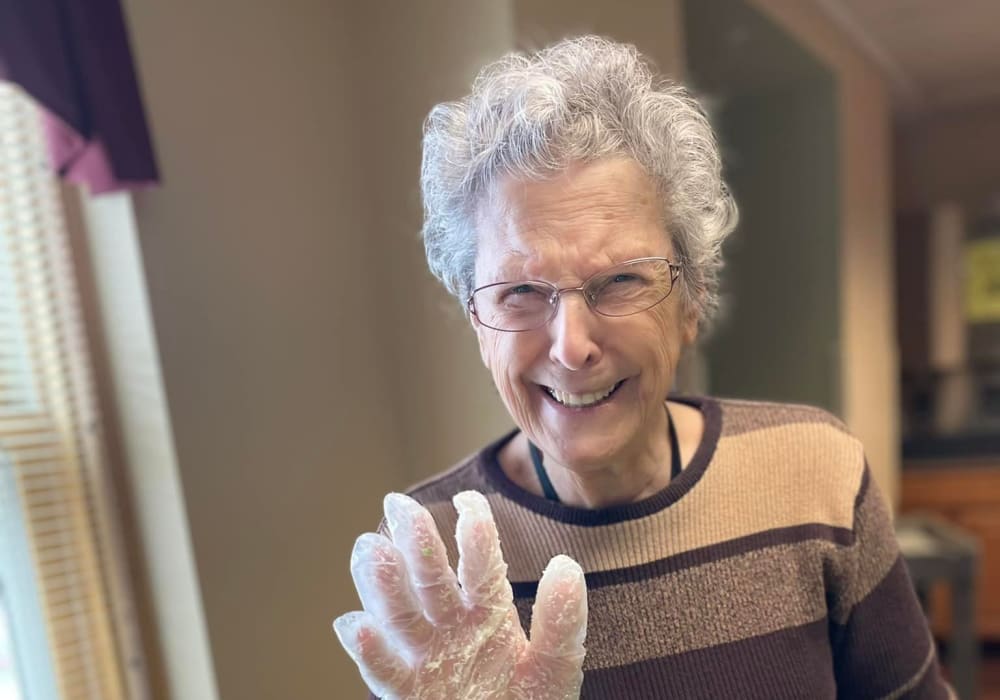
x,y
427,633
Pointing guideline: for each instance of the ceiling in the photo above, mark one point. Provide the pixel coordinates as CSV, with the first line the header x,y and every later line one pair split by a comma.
x,y
936,54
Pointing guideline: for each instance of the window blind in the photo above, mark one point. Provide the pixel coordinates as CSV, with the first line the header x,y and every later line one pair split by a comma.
x,y
49,427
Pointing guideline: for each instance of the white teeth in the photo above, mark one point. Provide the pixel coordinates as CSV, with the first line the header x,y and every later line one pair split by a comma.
x,y
579,400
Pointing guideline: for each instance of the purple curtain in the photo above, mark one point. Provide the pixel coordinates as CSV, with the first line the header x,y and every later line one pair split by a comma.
x,y
73,58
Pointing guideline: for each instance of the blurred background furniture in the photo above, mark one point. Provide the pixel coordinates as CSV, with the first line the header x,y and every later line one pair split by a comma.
x,y
936,552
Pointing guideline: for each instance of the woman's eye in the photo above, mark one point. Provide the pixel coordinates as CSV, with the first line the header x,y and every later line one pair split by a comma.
x,y
624,277
521,293
522,289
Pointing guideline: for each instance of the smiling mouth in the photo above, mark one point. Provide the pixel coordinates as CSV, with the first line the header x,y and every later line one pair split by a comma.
x,y
582,400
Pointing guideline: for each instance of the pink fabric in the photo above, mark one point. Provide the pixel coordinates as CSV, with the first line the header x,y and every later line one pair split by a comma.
x,y
73,57
81,161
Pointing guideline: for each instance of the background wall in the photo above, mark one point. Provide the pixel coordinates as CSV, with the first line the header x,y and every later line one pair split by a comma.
x,y
774,104
869,364
656,28
773,343
412,58
949,157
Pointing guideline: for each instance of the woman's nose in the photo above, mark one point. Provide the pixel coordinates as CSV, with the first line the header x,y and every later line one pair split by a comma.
x,y
574,334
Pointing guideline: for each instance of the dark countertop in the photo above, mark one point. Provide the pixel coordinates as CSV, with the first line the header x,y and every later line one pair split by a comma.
x,y
977,446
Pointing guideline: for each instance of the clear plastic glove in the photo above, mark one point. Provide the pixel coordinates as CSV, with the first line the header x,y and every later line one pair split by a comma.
x,y
427,633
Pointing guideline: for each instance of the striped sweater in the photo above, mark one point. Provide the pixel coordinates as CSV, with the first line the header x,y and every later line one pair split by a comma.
x,y
767,569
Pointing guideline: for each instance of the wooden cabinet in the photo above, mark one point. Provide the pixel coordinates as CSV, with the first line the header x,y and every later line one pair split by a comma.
x,y
966,493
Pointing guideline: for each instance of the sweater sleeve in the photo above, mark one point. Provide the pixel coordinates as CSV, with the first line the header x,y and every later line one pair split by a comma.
x,y
882,646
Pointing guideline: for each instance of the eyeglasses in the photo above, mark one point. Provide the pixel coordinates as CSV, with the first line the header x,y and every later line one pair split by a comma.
x,y
625,289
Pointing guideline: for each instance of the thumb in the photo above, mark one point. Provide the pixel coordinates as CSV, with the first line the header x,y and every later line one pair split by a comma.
x,y
559,615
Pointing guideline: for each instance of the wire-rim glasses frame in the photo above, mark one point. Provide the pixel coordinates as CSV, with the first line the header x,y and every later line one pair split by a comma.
x,y
586,289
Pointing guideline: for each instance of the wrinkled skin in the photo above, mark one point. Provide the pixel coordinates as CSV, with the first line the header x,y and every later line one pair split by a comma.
x,y
427,632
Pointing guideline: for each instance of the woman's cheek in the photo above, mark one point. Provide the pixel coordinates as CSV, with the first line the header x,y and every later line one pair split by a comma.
x,y
502,356
664,351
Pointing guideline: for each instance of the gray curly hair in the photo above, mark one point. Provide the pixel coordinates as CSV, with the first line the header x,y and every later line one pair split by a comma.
x,y
579,100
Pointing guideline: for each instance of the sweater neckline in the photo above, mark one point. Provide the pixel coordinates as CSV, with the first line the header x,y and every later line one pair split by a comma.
x,y
587,517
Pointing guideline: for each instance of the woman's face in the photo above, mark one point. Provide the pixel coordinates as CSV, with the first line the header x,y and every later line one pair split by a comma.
x,y
563,230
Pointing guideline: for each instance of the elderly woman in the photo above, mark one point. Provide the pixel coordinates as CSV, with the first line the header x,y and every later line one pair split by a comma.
x,y
702,548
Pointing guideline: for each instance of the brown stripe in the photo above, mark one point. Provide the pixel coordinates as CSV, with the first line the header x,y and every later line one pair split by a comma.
x,y
760,592
866,478
928,684
854,572
792,662
885,645
922,679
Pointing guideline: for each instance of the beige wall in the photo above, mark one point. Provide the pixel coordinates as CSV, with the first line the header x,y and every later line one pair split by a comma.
x,y
656,28
414,57
868,354
257,258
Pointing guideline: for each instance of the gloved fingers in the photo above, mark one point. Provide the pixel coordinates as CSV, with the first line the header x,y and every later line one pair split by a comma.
x,y
482,571
387,675
380,576
416,537
559,615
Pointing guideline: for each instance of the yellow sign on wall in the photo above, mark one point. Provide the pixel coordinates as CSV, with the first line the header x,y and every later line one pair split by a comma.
x,y
982,281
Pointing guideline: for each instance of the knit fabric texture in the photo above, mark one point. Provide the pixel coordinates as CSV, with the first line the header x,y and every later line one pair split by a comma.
x,y
767,569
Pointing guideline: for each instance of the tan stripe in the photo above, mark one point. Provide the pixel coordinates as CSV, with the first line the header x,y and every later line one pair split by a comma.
x,y
726,601
778,477
858,569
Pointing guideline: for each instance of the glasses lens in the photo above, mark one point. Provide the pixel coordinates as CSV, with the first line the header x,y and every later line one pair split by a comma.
x,y
514,306
631,287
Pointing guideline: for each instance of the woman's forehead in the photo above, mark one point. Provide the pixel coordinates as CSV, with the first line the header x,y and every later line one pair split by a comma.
x,y
566,260
577,223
